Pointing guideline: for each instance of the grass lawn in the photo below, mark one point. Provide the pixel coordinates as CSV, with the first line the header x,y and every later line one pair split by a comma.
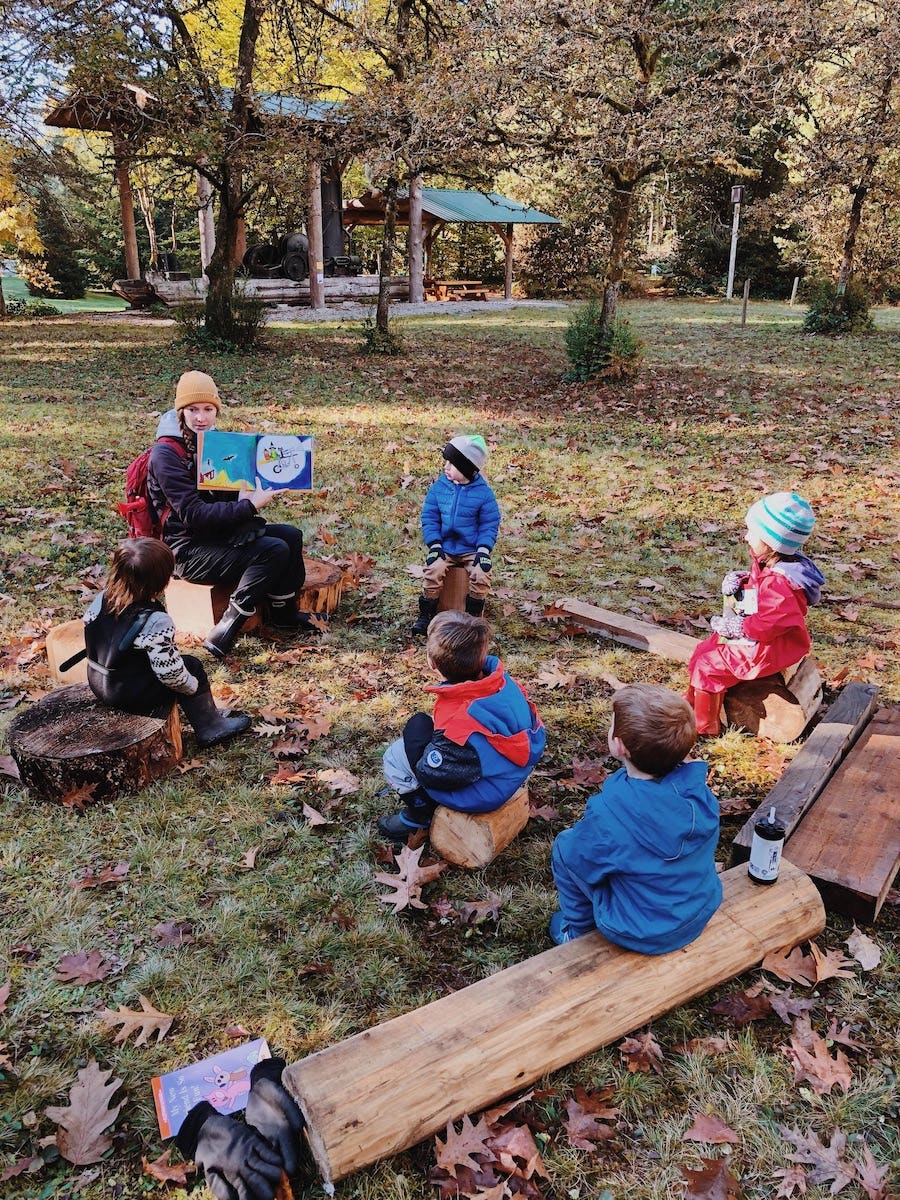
x,y
15,288
632,498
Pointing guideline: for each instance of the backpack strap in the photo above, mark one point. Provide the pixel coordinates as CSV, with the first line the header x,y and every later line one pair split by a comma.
x,y
77,657
182,451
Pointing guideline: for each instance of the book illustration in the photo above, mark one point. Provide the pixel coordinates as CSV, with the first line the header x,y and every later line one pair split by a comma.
x,y
223,1080
231,461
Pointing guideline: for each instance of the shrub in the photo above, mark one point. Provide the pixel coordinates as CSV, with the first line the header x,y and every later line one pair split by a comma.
x,y
244,328
31,308
377,342
595,353
836,314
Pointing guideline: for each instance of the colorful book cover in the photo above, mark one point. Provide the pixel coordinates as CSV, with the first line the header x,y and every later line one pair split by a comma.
x,y
223,1080
230,461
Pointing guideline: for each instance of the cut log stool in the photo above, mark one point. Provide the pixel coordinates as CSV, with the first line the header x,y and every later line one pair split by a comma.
x,y
499,1035
321,592
62,642
454,590
68,741
475,839
778,707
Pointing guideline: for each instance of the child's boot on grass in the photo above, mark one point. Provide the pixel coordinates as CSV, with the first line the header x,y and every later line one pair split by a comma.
x,y
209,724
415,817
708,712
427,613
285,617
221,638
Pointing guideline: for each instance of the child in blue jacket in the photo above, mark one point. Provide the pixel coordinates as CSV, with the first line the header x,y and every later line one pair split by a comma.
x,y
639,866
482,741
460,520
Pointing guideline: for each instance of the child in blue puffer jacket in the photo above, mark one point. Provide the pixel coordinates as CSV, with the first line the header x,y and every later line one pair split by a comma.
x,y
460,520
640,864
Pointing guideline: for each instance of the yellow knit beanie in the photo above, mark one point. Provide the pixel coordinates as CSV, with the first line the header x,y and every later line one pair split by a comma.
x,y
195,387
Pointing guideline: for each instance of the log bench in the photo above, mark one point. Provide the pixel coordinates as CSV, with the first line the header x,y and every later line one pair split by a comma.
x,y
839,804
454,590
475,839
68,741
496,1037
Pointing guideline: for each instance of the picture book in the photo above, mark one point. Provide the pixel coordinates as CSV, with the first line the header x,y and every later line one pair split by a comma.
x,y
230,461
223,1080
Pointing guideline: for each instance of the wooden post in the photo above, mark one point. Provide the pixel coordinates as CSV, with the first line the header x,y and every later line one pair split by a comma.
x,y
416,248
126,203
316,239
205,221
794,290
744,305
737,195
499,1035
508,269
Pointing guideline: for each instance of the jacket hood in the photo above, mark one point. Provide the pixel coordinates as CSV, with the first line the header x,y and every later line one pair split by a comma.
x,y
677,826
802,572
168,425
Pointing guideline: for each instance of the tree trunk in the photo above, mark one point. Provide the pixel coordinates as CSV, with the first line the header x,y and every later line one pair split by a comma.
x,y
386,264
2,302
619,222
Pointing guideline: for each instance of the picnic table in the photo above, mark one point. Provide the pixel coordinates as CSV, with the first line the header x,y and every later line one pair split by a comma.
x,y
455,289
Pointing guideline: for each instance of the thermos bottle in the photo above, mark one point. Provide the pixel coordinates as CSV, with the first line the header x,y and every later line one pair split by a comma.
x,y
765,850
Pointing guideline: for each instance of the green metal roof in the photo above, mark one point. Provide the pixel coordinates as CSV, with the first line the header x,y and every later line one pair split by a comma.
x,y
480,208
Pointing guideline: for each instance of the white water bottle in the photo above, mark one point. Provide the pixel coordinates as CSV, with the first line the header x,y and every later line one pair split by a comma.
x,y
766,848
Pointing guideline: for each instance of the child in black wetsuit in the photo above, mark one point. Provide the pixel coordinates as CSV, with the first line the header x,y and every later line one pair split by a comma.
x,y
133,662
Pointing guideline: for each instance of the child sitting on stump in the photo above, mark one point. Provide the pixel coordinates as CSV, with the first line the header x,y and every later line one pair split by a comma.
x,y
639,865
763,628
460,520
482,742
132,660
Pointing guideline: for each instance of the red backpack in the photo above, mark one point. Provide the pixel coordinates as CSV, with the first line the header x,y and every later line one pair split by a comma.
x,y
138,510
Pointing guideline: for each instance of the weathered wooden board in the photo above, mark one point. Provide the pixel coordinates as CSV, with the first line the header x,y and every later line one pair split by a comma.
x,y
391,1086
814,764
475,839
347,288
849,841
640,634
68,740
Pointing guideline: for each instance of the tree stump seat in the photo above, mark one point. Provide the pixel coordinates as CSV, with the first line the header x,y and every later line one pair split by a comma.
x,y
475,839
778,707
68,743
454,590
61,643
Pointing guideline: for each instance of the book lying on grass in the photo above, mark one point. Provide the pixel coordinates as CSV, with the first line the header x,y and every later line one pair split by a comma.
x,y
223,1080
230,461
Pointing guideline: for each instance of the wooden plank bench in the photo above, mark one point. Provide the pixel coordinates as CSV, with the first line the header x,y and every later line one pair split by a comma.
x,y
499,1035
475,839
68,741
839,809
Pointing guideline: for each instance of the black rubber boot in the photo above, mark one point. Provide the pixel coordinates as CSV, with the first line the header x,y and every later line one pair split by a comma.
x,y
221,638
427,612
414,817
286,617
475,608
210,726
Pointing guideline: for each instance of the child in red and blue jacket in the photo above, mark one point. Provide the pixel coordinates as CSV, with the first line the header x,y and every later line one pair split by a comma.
x,y
763,629
480,745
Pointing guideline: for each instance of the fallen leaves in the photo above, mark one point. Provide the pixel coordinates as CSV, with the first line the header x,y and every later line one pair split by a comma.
x,y
144,1023
339,780
792,965
588,1118
81,1136
173,933
409,883
642,1053
828,1162
714,1181
165,1171
107,875
707,1127
82,968
866,952
489,1160
813,1064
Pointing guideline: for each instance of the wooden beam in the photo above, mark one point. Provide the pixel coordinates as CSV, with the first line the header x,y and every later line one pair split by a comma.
x,y
314,233
816,761
387,1088
849,841
416,246
642,635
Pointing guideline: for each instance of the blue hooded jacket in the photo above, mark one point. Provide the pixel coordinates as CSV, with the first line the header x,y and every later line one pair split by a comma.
x,y
460,516
645,849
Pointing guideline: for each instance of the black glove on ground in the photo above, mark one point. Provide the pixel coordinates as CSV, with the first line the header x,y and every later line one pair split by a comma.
x,y
483,559
435,551
237,1162
274,1113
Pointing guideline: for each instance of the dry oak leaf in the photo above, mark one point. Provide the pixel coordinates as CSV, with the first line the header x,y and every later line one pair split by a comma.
x,y
8,767
844,1036
872,1178
190,764
409,883
788,1006
830,964
827,1162
339,780
173,933
80,1137
815,1066
793,1180
743,1007
114,874
553,677
707,1127
476,912
165,1171
642,1053
866,952
460,1149
544,812
516,1142
144,1023
4,995
714,1181
78,797
587,1116
21,1166
313,816
82,968
792,965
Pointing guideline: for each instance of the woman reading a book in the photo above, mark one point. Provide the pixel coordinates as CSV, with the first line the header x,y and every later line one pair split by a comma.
x,y
219,537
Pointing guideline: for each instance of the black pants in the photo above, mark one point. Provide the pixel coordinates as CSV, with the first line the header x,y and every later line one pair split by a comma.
x,y
270,566
143,693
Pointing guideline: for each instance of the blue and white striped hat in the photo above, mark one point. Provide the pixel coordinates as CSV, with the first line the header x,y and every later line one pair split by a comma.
x,y
783,521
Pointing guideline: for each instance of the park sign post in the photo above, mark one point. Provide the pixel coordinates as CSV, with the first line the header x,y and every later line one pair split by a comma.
x,y
737,198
